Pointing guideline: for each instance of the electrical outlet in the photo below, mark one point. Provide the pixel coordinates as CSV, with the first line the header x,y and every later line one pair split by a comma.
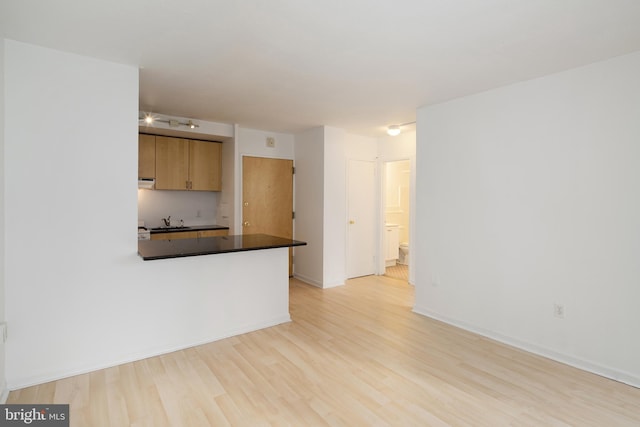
x,y
558,311
271,142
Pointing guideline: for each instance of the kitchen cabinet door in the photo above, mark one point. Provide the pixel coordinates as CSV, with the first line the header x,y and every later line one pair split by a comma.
x,y
146,156
175,235
213,233
172,163
205,161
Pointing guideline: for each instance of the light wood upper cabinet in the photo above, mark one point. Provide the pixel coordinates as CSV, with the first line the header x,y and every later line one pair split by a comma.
x,y
146,156
205,163
183,164
172,163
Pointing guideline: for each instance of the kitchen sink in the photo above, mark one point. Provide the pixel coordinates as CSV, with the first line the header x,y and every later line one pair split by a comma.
x,y
170,228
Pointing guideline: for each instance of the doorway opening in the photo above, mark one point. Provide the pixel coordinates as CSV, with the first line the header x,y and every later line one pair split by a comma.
x,y
397,190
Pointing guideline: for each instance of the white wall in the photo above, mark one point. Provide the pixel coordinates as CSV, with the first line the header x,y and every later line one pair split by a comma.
x,y
321,160
3,383
309,196
193,207
226,203
529,196
71,203
335,207
357,147
79,297
253,142
399,147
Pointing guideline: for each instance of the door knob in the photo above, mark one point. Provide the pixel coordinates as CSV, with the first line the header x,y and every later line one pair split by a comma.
x,y
246,203
246,223
352,222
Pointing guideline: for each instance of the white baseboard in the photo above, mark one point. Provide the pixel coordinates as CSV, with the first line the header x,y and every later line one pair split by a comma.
x,y
315,283
594,368
5,393
333,285
36,380
307,280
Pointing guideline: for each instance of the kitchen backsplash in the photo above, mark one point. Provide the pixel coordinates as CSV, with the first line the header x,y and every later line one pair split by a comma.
x,y
193,207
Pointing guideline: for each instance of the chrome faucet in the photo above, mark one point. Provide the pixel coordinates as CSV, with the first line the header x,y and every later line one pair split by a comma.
x,y
167,221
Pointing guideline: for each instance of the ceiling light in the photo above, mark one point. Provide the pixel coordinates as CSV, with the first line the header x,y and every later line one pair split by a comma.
x,y
150,120
394,130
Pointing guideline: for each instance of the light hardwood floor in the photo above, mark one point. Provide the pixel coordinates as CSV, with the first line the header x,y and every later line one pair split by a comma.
x,y
353,356
398,271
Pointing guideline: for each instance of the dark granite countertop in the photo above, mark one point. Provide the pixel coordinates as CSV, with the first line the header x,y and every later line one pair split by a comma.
x,y
162,249
186,228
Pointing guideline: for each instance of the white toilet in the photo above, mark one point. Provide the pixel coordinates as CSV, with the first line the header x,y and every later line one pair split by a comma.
x,y
404,253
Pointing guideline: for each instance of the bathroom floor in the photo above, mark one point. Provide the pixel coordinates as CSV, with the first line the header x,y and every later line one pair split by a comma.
x,y
398,271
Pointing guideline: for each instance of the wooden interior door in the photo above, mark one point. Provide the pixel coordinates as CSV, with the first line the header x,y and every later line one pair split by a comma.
x,y
361,206
267,198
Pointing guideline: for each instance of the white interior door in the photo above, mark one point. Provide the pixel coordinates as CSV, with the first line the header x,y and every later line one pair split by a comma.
x,y
361,208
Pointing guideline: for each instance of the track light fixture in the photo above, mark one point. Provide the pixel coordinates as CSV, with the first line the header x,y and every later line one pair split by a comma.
x,y
150,120
394,130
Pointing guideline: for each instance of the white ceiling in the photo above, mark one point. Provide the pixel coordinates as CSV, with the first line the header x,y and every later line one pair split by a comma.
x,y
360,65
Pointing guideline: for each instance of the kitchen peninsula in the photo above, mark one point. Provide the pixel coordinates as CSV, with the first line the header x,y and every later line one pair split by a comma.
x,y
210,288
163,249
